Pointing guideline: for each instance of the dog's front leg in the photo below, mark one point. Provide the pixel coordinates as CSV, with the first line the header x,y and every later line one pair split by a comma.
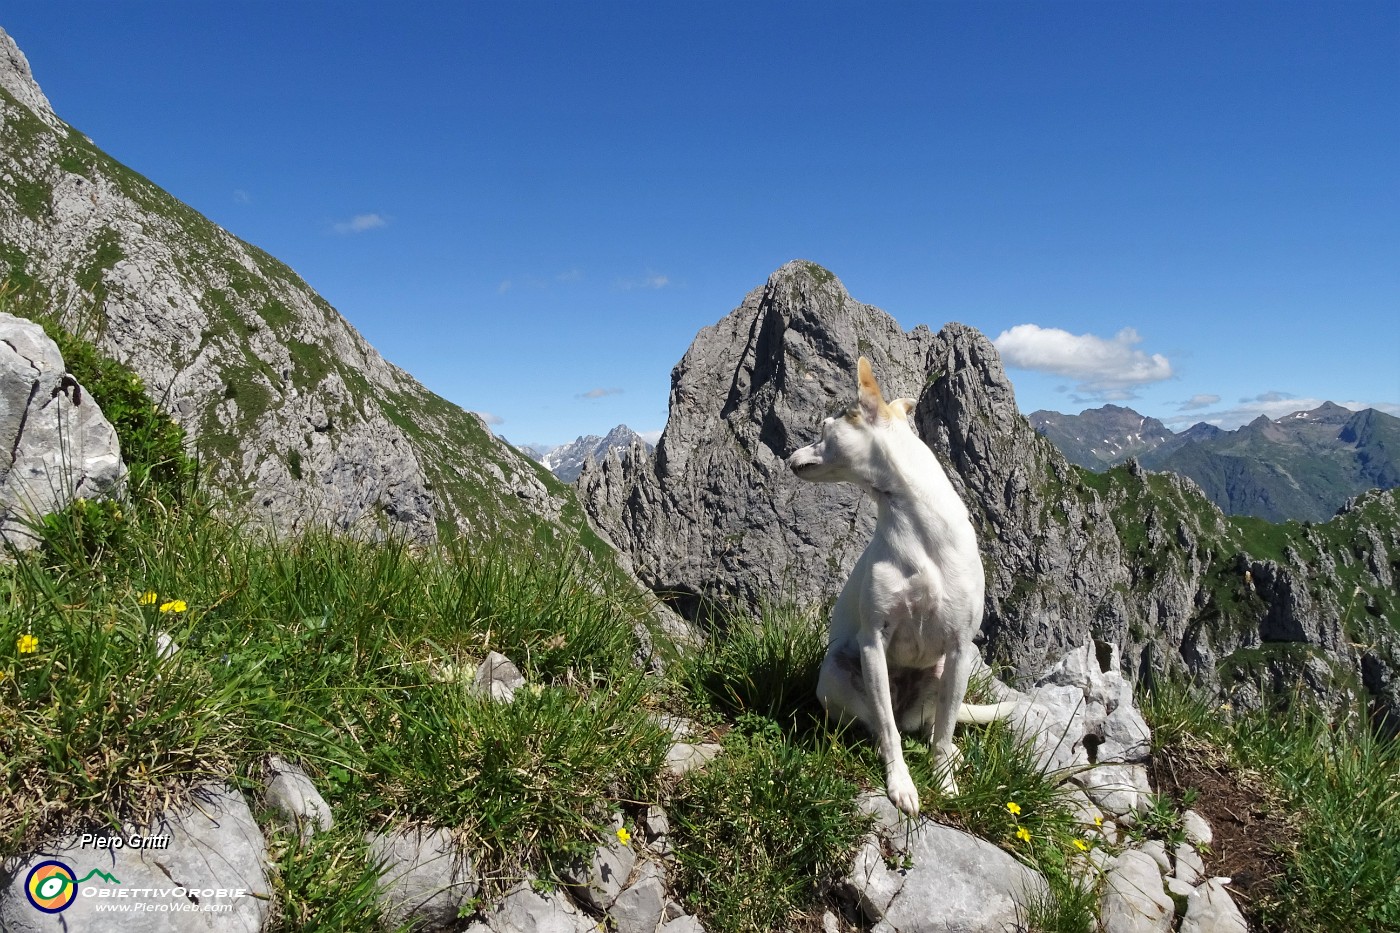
x,y
875,666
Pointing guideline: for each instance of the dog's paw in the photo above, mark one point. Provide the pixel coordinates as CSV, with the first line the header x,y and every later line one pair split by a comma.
x,y
903,794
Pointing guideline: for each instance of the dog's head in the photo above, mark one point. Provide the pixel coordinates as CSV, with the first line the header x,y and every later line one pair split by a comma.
x,y
852,446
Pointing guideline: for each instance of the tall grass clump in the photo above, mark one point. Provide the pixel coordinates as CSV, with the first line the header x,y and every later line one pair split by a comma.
x,y
761,829
766,666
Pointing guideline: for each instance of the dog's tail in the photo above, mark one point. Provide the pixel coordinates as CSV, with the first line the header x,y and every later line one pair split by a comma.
x,y
981,714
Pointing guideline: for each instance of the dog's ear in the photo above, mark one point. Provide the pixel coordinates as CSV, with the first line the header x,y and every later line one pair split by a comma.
x,y
902,407
872,404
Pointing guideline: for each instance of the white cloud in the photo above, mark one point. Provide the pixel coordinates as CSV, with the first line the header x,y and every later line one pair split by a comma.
x,y
503,287
650,280
241,197
1197,402
651,437
570,275
599,393
1106,370
489,418
360,223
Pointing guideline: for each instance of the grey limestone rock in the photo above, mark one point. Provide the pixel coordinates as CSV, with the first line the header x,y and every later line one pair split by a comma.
x,y
525,910
599,882
954,882
1134,899
1211,910
683,757
210,874
641,907
1198,831
55,444
424,878
293,796
497,678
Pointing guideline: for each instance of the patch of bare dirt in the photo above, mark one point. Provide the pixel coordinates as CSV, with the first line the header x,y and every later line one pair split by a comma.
x,y
1251,827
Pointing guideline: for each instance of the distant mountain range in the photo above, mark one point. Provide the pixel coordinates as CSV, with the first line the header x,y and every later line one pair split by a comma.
x,y
1302,466
566,461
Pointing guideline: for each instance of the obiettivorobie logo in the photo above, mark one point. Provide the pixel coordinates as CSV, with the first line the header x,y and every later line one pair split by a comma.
x,y
52,886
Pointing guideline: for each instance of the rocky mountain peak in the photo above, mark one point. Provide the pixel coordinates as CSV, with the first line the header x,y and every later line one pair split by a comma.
x,y
18,80
716,511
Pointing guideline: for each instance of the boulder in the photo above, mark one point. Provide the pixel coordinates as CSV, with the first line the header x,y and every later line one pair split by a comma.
x,y
55,444
954,882
424,879
198,867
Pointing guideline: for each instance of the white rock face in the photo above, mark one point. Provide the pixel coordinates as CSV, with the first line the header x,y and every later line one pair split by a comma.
x,y
55,444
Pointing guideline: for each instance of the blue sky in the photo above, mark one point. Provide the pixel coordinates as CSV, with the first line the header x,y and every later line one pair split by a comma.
x,y
1189,208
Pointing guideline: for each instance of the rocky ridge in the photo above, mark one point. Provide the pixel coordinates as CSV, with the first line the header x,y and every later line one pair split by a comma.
x,y
282,399
1139,561
1302,466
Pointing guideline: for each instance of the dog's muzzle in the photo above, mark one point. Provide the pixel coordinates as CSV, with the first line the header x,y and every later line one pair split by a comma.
x,y
801,459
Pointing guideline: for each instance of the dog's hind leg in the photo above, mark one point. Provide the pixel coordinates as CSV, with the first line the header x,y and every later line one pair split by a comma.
x,y
951,688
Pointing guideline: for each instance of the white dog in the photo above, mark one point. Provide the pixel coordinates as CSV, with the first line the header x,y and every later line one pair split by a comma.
x,y
901,633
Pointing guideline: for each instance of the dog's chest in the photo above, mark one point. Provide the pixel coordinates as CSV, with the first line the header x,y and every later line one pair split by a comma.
x,y
920,617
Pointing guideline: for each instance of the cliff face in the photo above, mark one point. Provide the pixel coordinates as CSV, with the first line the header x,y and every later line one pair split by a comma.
x,y
283,400
1129,558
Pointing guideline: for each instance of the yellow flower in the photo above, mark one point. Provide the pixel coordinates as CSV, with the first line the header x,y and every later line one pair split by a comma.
x,y
149,598
623,836
1015,808
174,605
1081,845
1098,821
27,644
1023,834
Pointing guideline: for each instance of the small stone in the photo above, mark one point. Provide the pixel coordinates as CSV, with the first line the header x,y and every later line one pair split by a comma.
x,y
1133,899
1198,831
294,797
599,883
1179,888
425,880
641,907
684,757
498,678
1157,849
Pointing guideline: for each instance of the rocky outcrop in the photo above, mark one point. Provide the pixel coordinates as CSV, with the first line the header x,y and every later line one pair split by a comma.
x,y
714,513
1140,562
289,408
55,444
